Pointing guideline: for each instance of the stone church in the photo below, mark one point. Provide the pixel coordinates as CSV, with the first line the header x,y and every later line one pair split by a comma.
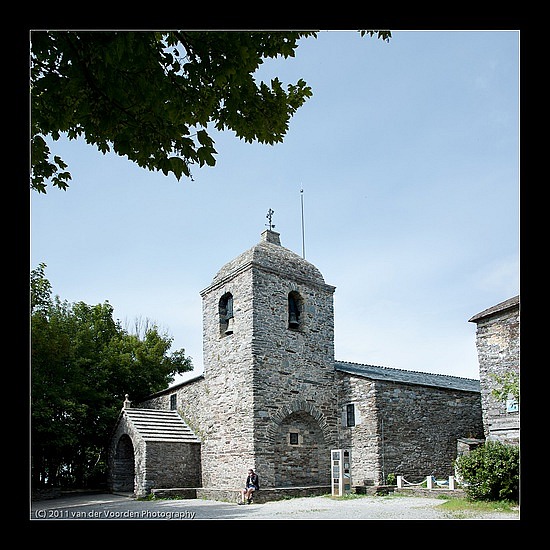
x,y
272,397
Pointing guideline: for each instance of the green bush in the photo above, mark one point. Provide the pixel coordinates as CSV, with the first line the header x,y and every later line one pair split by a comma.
x,y
490,472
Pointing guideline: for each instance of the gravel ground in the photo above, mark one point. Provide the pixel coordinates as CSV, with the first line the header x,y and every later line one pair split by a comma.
x,y
118,507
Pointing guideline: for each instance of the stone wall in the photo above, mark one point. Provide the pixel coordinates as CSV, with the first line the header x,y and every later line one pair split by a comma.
x,y
497,342
191,403
364,438
294,373
171,464
405,429
227,432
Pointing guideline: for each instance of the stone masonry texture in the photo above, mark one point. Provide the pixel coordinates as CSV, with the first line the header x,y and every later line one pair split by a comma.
x,y
497,342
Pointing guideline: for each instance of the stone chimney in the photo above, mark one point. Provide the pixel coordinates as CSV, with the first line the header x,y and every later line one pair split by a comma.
x,y
269,236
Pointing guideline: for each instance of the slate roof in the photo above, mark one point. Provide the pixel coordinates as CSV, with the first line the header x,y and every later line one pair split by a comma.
x,y
374,372
160,425
507,304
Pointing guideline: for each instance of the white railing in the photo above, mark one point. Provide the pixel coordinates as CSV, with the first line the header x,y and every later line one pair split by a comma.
x,y
430,482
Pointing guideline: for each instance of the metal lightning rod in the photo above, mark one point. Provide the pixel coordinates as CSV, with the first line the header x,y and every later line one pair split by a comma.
x,y
303,234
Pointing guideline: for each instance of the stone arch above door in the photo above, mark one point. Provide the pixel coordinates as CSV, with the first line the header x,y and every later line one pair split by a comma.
x,y
301,446
296,406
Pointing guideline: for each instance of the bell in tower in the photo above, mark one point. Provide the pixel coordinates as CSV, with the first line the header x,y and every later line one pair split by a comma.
x,y
293,312
226,314
229,329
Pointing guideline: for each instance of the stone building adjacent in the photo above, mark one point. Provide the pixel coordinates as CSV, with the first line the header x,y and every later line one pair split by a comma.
x,y
273,397
405,422
497,342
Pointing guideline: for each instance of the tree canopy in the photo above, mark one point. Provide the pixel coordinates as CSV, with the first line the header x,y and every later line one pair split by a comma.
x,y
82,365
155,96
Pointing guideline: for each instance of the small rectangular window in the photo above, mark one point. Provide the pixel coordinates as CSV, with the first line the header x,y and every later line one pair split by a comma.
x,y
350,415
293,438
173,402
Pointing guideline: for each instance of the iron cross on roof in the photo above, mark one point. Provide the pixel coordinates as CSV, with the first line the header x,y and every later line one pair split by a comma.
x,y
269,216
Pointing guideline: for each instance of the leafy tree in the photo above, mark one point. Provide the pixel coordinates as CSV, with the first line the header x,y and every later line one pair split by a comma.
x,y
82,364
153,96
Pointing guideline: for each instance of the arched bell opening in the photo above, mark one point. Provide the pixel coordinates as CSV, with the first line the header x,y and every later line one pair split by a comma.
x,y
295,308
226,314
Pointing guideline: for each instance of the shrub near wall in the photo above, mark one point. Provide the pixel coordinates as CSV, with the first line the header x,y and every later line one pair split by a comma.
x,y
490,472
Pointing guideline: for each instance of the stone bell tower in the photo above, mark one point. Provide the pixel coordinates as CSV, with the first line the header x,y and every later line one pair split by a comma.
x,y
268,338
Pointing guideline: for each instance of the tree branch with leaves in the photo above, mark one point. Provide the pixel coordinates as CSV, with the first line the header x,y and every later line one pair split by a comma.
x,y
154,97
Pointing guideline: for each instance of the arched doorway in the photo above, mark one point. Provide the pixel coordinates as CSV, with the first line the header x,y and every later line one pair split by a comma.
x,y
302,454
123,476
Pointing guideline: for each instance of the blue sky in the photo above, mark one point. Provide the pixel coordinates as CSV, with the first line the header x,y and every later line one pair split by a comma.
x,y
408,155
